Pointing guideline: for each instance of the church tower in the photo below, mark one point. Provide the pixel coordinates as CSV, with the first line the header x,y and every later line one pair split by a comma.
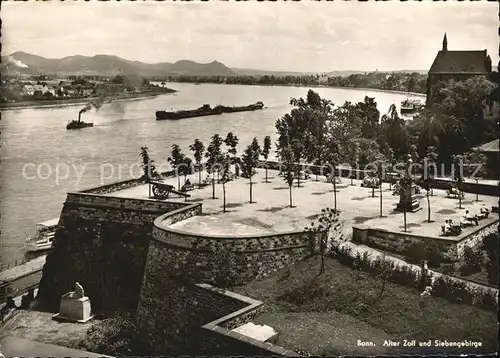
x,y
445,43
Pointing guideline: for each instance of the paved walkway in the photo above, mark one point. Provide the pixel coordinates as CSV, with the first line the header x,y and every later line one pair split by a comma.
x,y
376,253
27,268
12,346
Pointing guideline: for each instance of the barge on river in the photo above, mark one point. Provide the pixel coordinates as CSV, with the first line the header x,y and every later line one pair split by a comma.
x,y
206,110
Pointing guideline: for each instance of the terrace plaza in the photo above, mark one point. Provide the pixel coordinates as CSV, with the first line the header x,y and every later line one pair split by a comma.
x,y
270,212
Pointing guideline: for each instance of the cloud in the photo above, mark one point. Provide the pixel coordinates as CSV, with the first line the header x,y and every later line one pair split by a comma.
x,y
305,36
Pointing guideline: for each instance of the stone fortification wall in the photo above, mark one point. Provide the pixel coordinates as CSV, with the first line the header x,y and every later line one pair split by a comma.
x,y
204,327
101,242
252,256
452,248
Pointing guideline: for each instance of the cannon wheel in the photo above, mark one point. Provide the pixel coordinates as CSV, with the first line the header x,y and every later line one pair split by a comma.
x,y
159,192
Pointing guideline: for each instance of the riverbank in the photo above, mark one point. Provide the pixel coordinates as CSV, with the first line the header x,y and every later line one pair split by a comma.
x,y
79,101
415,94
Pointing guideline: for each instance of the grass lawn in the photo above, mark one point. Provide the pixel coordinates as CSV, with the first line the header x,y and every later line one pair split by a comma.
x,y
330,314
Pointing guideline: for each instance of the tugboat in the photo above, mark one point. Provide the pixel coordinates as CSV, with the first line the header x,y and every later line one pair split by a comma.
x,y
42,240
77,124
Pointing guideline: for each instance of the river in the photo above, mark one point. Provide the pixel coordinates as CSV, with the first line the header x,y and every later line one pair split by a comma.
x,y
41,161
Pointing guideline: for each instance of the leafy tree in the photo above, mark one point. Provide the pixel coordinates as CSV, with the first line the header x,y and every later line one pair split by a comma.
x,y
256,148
249,162
321,231
370,156
465,101
225,165
429,127
473,259
148,166
394,131
405,183
466,165
213,155
266,150
381,164
490,245
344,128
198,148
352,153
294,128
370,116
287,159
388,153
232,142
186,168
428,175
315,113
176,159
118,79
332,157
475,166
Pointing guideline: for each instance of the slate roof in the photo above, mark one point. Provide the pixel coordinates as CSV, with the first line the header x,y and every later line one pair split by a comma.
x,y
490,147
460,62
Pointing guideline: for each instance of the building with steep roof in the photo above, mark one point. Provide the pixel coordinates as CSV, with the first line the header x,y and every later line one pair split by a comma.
x,y
456,65
492,152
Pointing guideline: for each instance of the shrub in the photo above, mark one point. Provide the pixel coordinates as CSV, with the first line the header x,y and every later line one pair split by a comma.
x,y
303,294
489,302
490,245
112,336
433,255
448,268
473,259
467,270
451,289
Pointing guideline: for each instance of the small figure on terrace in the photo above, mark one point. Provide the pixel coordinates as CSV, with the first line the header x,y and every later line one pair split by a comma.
x,y
447,227
484,211
470,219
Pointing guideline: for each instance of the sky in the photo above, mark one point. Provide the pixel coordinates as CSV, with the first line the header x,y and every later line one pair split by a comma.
x,y
302,36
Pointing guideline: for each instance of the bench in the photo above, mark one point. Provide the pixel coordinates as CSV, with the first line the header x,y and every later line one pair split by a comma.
x,y
455,230
454,193
329,179
162,190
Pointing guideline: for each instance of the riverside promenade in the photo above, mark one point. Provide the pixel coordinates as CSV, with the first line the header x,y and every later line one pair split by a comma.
x,y
25,269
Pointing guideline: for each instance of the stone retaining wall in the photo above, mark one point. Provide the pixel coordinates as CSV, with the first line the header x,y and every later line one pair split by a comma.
x,y
452,248
101,242
202,325
254,256
440,183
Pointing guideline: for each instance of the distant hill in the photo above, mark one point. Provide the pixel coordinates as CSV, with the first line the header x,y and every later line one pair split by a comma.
x,y
109,65
106,65
343,73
